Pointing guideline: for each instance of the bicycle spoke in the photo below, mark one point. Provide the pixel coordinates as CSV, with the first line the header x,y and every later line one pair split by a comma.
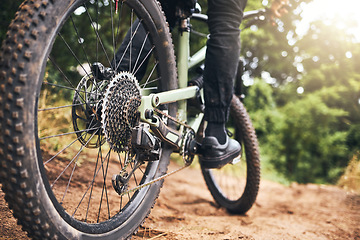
x,y
131,40
79,40
144,60
112,29
66,78
60,70
79,117
121,201
77,154
142,171
97,33
147,80
64,134
67,186
149,88
65,87
104,189
121,165
62,150
118,27
128,45
74,55
65,106
61,86
140,52
91,184
136,182
97,28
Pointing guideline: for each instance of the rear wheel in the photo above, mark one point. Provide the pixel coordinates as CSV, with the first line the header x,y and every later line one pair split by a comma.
x,y
71,77
236,185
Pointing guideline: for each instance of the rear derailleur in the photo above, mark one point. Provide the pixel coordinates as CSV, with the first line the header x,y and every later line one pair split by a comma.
x,y
145,147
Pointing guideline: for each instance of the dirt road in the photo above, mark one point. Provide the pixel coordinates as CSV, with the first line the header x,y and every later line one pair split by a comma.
x,y
186,210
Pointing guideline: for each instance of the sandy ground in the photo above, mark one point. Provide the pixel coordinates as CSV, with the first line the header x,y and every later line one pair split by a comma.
x,y
186,210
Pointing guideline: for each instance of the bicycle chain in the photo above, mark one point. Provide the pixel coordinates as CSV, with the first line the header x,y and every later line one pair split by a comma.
x,y
172,118
153,181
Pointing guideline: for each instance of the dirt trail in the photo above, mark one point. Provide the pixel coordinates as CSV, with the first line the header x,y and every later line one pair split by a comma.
x,y
186,210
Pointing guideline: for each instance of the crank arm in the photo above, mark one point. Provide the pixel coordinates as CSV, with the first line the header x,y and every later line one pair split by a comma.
x,y
166,133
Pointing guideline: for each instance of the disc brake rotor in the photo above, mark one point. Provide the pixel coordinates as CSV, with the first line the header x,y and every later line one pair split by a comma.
x,y
85,111
120,110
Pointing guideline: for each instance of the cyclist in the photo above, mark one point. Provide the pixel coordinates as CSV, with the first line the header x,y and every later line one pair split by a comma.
x,y
221,63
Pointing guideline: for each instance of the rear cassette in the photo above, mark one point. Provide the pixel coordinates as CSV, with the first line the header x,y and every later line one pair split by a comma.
x,y
120,110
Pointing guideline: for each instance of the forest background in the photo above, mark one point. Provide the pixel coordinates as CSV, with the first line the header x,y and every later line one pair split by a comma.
x,y
301,83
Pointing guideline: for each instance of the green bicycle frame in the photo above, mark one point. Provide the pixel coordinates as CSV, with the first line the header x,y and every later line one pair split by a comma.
x,y
185,62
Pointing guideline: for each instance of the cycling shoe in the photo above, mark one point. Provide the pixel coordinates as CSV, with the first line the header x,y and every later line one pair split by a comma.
x,y
216,155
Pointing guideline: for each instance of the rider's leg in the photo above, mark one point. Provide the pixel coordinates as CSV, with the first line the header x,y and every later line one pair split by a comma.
x,y
220,70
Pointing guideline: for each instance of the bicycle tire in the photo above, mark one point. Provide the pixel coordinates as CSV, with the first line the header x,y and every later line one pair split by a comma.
x,y
232,187
28,63
239,196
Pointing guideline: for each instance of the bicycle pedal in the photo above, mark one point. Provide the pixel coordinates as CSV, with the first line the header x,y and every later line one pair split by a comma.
x,y
194,147
236,160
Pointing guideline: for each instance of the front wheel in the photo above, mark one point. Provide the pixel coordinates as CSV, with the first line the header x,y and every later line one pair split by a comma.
x,y
235,186
67,70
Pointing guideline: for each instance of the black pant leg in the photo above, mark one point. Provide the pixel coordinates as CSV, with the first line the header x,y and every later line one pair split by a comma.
x,y
222,57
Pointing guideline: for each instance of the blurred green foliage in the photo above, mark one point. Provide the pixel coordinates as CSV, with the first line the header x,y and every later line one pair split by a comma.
x,y
303,95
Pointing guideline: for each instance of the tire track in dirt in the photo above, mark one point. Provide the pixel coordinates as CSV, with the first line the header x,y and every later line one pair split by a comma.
x,y
186,210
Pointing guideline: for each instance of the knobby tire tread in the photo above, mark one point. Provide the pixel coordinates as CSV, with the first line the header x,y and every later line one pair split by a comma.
x,y
244,126
17,52
14,174
247,131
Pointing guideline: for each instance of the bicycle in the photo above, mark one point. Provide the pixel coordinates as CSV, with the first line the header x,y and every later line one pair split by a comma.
x,y
85,148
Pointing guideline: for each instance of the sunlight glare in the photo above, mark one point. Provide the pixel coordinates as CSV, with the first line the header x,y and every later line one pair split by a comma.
x,y
328,10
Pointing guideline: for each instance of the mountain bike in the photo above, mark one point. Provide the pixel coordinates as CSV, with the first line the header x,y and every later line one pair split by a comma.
x,y
90,113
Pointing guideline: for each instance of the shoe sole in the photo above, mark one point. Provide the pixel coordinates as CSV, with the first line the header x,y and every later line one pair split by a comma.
x,y
208,162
